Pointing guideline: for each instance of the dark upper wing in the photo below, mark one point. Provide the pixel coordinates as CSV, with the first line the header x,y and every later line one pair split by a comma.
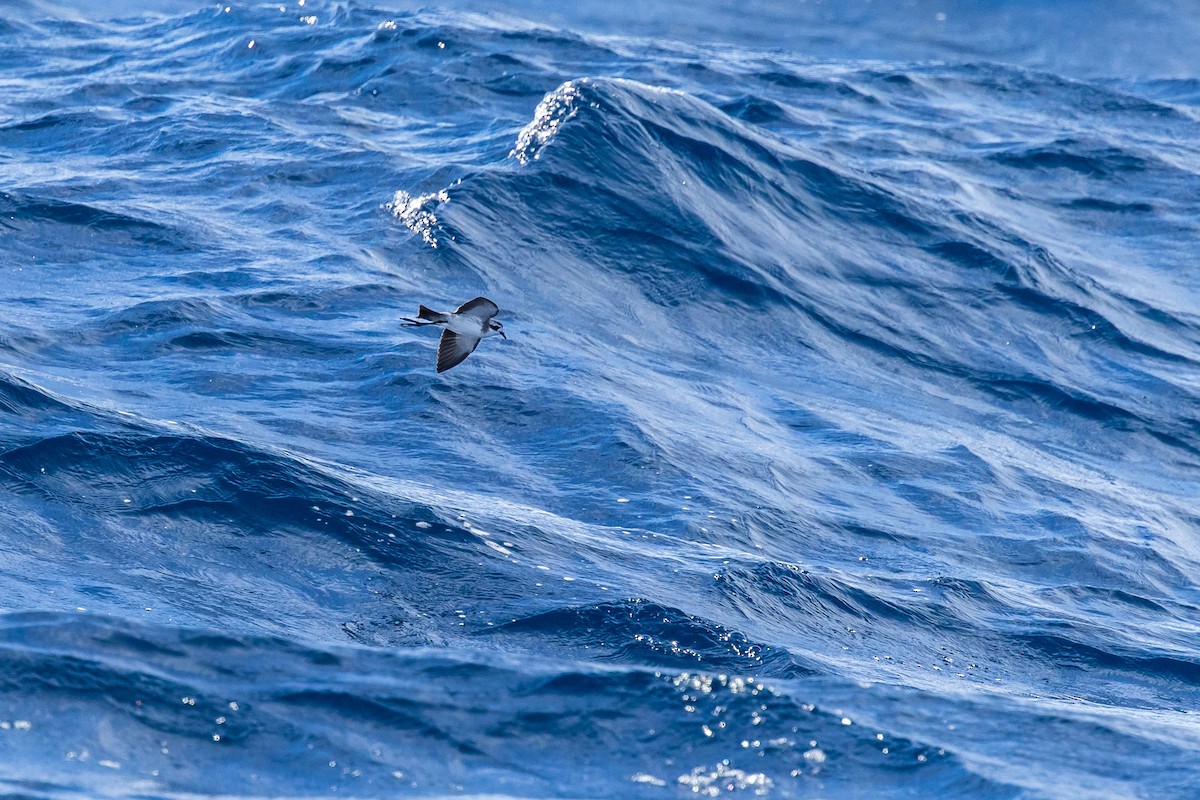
x,y
453,349
479,307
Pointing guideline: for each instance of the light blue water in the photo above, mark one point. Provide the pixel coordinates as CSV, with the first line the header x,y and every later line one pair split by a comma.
x,y
845,442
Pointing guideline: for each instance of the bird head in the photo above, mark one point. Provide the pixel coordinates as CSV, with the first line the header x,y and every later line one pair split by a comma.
x,y
497,327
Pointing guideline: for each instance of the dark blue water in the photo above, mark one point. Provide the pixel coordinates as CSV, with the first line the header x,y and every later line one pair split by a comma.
x,y
845,444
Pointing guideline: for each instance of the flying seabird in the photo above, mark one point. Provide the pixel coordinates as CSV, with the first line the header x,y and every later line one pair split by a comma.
x,y
462,329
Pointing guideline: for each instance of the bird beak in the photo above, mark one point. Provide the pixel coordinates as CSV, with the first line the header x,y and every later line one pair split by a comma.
x,y
502,336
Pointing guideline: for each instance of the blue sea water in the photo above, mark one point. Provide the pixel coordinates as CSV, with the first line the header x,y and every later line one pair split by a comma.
x,y
845,443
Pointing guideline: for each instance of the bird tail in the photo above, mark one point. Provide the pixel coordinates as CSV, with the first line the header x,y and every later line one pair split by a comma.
x,y
425,316
431,315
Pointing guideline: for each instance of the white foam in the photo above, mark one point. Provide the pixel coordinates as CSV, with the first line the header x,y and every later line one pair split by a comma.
x,y
554,110
415,212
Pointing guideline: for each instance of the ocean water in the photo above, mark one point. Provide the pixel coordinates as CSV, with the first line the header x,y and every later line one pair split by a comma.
x,y
845,443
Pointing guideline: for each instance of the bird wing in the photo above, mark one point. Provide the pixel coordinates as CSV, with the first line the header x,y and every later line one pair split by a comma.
x,y
479,307
454,348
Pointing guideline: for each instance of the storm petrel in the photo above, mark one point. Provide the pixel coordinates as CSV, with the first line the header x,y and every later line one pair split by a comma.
x,y
461,329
